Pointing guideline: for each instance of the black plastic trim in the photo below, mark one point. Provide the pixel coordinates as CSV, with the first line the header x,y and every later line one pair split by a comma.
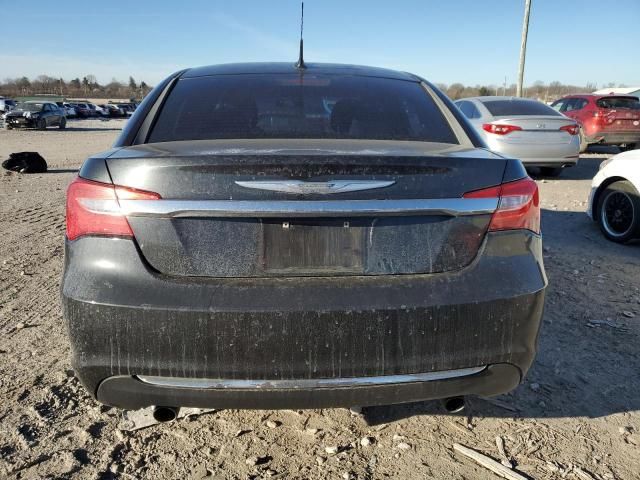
x,y
131,393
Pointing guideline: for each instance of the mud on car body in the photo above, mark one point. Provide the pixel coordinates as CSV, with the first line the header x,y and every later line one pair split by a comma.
x,y
263,236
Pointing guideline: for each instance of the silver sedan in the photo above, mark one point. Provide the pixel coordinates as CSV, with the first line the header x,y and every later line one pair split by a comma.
x,y
525,129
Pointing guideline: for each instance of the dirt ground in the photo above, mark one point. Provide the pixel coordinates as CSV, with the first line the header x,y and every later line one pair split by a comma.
x,y
576,416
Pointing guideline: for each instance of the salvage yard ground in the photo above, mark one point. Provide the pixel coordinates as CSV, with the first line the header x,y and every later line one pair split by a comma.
x,y
576,416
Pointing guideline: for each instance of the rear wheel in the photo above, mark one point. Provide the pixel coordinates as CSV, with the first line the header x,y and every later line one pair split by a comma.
x,y
42,124
619,212
550,171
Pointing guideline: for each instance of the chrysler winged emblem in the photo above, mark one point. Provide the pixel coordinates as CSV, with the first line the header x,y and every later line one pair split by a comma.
x,y
299,187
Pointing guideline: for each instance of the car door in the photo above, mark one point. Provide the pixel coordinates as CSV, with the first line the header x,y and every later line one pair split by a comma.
x,y
53,114
46,114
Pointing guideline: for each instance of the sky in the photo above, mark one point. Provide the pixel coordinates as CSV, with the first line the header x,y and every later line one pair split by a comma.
x,y
446,41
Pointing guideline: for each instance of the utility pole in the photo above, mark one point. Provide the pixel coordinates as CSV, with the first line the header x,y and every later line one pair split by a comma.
x,y
523,45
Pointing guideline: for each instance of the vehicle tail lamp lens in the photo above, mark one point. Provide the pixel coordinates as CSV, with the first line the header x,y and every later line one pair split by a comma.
x,y
499,128
93,208
518,205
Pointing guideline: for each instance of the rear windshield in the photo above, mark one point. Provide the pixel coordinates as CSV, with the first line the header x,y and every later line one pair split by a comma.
x,y
504,108
619,102
296,106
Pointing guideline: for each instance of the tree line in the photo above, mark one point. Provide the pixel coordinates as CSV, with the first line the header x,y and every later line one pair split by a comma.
x,y
538,90
85,87
88,86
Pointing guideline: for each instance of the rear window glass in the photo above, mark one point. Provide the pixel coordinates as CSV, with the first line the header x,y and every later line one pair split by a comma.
x,y
297,106
503,108
619,102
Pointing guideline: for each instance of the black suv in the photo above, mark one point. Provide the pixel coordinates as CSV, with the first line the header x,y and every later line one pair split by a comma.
x,y
265,236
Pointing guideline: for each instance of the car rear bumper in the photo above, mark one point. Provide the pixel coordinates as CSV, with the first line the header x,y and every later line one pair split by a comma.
x,y
539,154
550,162
614,138
132,392
359,337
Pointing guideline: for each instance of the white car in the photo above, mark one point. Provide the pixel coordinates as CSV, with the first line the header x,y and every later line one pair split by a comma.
x,y
525,129
614,202
69,110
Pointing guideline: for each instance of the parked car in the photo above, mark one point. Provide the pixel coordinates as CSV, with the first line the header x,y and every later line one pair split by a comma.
x,y
82,110
239,248
604,119
112,110
126,108
68,110
525,129
614,202
6,105
38,115
97,111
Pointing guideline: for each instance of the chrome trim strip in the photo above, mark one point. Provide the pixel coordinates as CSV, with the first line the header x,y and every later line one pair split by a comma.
x,y
179,382
307,208
298,187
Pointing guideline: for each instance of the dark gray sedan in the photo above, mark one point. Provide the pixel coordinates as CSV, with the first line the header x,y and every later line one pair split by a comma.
x,y
38,115
264,236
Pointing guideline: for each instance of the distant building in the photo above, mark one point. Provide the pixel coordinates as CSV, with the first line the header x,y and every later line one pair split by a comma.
x,y
635,91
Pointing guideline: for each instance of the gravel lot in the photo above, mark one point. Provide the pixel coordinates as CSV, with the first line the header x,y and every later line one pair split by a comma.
x,y
576,416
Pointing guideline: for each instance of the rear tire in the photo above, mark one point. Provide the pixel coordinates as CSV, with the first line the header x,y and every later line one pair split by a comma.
x,y
550,171
618,212
42,124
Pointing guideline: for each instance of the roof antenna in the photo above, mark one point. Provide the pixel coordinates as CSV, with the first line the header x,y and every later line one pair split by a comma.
x,y
300,64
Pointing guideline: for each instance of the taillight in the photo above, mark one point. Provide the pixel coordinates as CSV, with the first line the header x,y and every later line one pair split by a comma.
x,y
518,205
571,129
499,128
93,208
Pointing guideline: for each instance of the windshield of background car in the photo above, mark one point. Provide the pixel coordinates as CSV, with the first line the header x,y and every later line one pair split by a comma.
x,y
297,106
30,107
619,102
505,108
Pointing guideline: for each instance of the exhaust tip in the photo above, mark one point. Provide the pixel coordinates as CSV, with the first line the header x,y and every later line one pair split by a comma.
x,y
165,414
453,404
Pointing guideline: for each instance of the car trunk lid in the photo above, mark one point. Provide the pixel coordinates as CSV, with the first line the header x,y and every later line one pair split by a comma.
x,y
271,209
619,113
536,130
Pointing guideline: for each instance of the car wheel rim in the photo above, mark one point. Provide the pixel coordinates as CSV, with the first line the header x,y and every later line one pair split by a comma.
x,y
617,214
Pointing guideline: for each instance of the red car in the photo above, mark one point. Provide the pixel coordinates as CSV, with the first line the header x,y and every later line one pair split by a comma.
x,y
604,119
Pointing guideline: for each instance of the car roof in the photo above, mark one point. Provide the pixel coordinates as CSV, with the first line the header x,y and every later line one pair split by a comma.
x,y
492,97
597,95
285,67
